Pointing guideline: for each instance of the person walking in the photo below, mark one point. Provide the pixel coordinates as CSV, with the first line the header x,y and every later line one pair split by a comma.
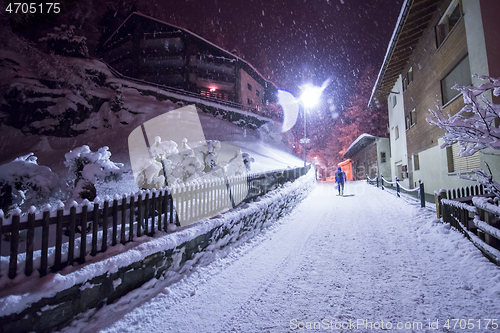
x,y
340,179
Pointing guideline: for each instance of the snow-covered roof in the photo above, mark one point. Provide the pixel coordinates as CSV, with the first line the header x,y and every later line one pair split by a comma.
x,y
362,141
226,52
412,21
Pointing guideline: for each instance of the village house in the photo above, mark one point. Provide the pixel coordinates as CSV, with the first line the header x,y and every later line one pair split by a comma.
x,y
158,52
368,156
435,45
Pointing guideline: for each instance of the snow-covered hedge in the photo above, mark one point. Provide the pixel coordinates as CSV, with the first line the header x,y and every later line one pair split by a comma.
x,y
24,179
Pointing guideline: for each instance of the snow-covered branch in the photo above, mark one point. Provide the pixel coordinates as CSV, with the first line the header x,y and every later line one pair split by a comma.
x,y
474,127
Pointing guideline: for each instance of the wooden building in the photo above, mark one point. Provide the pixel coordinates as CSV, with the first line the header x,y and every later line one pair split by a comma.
x,y
435,45
369,155
158,52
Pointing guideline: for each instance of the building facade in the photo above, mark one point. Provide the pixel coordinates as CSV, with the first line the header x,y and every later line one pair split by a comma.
x,y
148,49
436,44
369,156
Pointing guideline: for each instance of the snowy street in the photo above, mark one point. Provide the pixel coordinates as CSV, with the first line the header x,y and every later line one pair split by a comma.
x,y
365,262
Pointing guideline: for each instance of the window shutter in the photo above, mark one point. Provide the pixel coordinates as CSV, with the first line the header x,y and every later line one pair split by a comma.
x,y
462,163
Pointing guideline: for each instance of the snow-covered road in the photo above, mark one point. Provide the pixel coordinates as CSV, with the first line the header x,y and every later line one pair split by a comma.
x,y
364,262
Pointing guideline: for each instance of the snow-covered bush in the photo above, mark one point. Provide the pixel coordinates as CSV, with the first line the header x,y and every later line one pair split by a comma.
x,y
210,154
24,183
177,165
63,41
474,127
87,168
248,160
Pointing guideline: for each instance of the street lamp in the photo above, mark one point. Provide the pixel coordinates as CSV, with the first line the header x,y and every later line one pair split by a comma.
x,y
309,98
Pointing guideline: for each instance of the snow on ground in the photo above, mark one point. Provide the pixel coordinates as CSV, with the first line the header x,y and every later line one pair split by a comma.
x,y
363,262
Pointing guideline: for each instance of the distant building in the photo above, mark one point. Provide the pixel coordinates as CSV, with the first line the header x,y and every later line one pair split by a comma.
x,y
158,52
368,155
436,44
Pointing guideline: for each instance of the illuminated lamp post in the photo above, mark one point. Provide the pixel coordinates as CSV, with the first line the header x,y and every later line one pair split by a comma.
x,y
309,98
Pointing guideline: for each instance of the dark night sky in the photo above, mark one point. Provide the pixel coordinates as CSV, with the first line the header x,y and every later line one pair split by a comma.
x,y
303,40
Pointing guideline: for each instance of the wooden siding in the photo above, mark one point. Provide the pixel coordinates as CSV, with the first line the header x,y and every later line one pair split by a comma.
x,y
247,94
365,162
430,65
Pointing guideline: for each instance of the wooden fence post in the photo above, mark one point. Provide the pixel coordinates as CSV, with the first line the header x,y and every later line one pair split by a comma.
x,y
139,217
83,232
152,208
123,220
115,222
105,212
95,226
59,233
439,205
28,268
71,244
45,242
146,214
131,218
14,247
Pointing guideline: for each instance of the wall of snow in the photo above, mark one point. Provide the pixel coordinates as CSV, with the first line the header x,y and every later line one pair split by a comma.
x,y
60,299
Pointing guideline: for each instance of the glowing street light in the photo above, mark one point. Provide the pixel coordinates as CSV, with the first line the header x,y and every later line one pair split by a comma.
x,y
309,98
310,95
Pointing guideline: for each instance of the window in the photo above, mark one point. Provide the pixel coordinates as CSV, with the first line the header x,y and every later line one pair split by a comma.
x,y
402,171
249,101
396,133
407,122
416,162
408,79
257,93
383,158
413,117
249,86
457,163
394,101
458,75
448,22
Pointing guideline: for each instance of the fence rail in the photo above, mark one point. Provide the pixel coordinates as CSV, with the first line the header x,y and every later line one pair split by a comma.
x,y
479,222
383,183
464,193
90,228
